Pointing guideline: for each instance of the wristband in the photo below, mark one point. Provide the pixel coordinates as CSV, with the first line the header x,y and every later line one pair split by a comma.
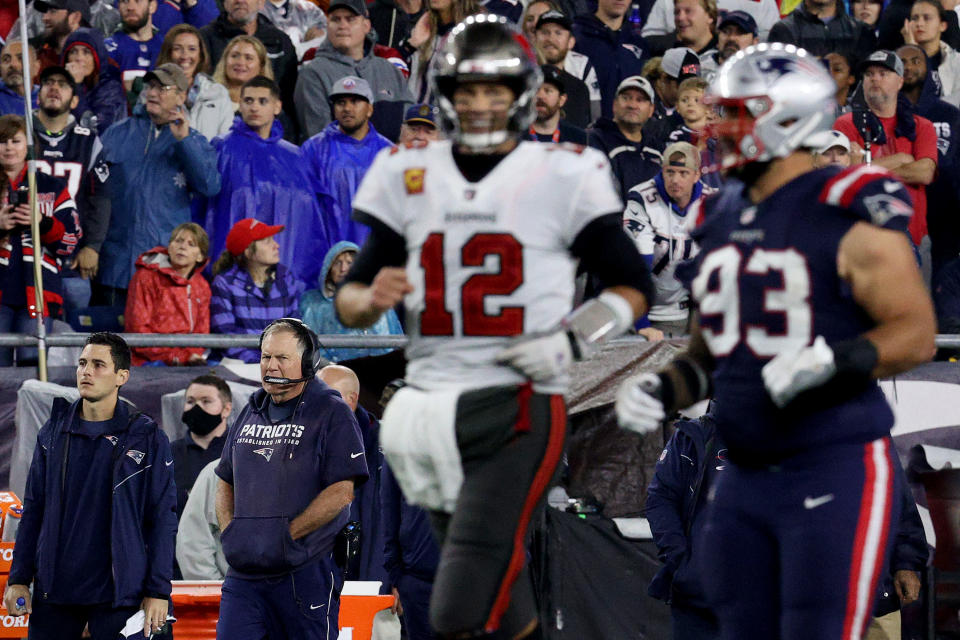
x,y
855,360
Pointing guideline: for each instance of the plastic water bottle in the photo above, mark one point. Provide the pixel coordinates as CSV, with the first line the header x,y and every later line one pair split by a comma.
x,y
636,23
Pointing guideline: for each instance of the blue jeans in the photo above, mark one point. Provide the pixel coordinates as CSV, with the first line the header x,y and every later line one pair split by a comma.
x,y
18,320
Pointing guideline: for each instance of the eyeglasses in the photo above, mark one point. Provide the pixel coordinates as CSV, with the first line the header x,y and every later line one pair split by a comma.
x,y
156,86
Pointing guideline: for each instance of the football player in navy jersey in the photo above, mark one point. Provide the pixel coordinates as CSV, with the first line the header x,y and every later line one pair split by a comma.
x,y
808,291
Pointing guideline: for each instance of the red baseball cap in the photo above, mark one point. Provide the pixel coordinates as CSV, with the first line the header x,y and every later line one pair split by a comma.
x,y
246,232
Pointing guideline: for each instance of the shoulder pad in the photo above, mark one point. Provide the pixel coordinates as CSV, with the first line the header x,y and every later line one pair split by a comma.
x,y
872,194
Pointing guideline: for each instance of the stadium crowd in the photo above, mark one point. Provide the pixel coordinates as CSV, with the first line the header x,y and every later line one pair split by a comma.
x,y
210,153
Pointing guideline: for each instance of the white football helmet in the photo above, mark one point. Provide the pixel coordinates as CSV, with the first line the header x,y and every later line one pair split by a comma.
x,y
773,99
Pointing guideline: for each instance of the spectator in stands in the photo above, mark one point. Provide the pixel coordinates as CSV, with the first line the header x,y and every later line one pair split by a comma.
x,y
240,17
607,36
65,149
420,125
208,103
102,100
551,98
943,202
296,18
835,152
199,550
134,49
348,52
393,21
661,23
168,294
822,27
79,495
901,141
265,177
841,67
696,22
687,469
251,288
195,13
157,163
694,112
441,16
243,59
737,31
59,234
554,41
207,404
341,155
927,23
867,11
656,217
677,65
11,74
531,16
365,508
622,139
60,19
316,307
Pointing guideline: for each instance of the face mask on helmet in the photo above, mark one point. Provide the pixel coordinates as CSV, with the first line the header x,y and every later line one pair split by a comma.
x,y
773,100
485,50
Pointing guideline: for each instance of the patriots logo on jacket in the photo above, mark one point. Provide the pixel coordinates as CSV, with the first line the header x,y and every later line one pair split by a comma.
x,y
137,456
634,49
114,440
266,452
634,226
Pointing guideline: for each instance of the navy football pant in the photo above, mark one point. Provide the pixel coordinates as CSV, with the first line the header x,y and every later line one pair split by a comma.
x,y
511,442
66,621
799,547
304,605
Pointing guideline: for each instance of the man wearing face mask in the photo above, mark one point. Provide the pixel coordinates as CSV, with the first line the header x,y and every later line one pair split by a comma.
x,y
206,407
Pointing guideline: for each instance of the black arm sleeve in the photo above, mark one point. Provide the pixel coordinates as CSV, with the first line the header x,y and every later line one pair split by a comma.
x,y
384,247
606,251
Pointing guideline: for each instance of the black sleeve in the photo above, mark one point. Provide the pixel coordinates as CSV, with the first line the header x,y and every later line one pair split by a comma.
x,y
384,247
605,250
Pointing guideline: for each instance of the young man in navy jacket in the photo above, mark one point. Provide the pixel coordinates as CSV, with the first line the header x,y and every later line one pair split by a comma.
x,y
286,480
99,525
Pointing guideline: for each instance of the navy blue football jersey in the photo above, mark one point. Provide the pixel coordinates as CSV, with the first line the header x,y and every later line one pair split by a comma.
x,y
134,58
766,281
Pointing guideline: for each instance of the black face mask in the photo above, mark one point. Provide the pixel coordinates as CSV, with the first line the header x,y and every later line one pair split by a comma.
x,y
199,421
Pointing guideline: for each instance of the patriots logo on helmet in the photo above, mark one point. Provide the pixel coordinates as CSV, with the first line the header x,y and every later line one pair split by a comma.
x,y
266,452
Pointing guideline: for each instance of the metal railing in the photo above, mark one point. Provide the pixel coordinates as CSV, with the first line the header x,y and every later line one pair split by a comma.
x,y
222,341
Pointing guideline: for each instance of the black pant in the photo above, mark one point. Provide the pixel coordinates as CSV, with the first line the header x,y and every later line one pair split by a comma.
x,y
510,441
66,622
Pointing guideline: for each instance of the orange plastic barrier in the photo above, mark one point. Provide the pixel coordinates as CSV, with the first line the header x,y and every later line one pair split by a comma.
x,y
197,607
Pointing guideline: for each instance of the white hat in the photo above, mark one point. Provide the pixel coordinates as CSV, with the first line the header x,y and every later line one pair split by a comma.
x,y
835,139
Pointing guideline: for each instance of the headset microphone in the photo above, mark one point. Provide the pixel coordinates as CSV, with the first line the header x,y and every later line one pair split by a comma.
x,y
275,380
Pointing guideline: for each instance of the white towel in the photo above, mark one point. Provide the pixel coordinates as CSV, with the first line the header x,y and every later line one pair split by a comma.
x,y
419,440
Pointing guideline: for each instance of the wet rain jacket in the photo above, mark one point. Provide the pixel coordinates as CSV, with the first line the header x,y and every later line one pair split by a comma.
x,y
339,163
152,178
160,300
267,180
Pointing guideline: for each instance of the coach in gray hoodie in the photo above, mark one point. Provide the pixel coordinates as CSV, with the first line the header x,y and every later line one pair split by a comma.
x,y
349,52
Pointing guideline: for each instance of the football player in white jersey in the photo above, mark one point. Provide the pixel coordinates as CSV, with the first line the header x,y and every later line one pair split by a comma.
x,y
659,216
479,236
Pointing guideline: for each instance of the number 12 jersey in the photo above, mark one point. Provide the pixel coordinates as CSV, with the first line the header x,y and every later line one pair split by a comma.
x,y
488,260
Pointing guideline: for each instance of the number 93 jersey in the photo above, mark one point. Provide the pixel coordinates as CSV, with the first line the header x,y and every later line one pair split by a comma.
x,y
766,282
488,260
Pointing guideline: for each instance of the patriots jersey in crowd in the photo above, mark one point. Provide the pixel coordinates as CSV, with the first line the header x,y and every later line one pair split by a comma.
x,y
75,155
766,281
487,260
661,231
133,57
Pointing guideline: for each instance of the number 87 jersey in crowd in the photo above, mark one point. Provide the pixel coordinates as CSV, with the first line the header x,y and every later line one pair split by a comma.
x,y
487,260
767,282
